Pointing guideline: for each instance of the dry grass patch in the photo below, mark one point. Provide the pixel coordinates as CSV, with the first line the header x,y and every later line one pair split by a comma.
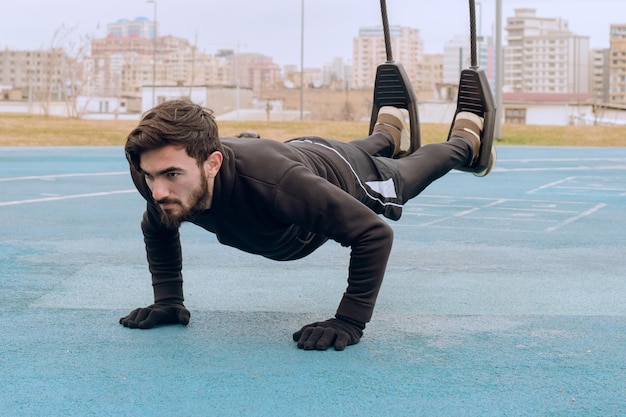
x,y
564,135
29,130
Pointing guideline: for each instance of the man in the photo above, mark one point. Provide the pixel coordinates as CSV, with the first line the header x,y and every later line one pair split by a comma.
x,y
281,201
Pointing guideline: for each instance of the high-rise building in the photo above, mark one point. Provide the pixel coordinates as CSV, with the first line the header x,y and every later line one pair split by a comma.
x,y
140,27
130,57
543,56
600,71
337,74
369,51
617,64
125,59
430,71
457,57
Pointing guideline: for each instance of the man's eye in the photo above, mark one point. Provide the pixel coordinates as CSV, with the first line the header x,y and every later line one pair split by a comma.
x,y
172,174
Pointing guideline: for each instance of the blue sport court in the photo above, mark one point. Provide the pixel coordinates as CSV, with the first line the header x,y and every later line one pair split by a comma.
x,y
504,296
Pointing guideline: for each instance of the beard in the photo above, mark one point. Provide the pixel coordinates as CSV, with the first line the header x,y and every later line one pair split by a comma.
x,y
198,201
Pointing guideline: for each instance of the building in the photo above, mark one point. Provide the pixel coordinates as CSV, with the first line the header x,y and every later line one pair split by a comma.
x,y
40,75
369,51
141,46
219,99
132,55
139,28
543,56
130,58
250,70
548,109
600,74
457,56
337,75
430,72
617,64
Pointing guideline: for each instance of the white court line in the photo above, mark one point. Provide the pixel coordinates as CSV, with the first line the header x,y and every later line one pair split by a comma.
x,y
560,185
474,209
497,200
552,208
573,219
609,159
49,177
577,168
552,184
465,212
536,210
64,197
583,188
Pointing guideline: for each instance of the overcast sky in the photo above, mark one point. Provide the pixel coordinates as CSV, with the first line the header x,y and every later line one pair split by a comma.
x,y
273,27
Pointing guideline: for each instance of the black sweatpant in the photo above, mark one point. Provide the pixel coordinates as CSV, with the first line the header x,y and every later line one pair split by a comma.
x,y
385,184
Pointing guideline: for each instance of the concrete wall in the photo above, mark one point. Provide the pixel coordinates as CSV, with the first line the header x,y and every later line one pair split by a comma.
x,y
429,111
219,99
56,108
557,114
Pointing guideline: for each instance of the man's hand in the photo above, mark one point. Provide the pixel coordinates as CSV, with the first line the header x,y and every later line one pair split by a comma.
x,y
147,317
323,334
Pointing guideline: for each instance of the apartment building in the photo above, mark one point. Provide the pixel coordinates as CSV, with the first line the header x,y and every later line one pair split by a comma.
x,y
129,58
35,75
142,46
430,72
543,56
617,64
457,57
337,75
369,51
251,70
139,28
600,70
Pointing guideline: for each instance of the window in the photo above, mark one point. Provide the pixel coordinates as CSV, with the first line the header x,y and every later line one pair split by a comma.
x,y
515,116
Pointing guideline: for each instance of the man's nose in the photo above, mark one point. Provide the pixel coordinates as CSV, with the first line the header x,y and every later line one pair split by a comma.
x,y
159,190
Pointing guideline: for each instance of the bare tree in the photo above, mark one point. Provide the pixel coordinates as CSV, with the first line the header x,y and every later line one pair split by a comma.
x,y
76,51
62,68
51,68
194,50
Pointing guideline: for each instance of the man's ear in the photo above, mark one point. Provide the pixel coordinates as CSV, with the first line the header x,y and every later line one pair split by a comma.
x,y
213,164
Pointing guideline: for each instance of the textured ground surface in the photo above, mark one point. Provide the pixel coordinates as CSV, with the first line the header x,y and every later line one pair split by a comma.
x,y
504,296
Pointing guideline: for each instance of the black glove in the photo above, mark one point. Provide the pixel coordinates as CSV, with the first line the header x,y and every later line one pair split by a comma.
x,y
147,317
322,334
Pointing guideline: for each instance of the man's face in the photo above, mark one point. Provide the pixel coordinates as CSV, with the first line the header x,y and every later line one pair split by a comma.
x,y
179,186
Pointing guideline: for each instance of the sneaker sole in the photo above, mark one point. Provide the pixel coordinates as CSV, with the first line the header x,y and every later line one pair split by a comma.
x,y
492,161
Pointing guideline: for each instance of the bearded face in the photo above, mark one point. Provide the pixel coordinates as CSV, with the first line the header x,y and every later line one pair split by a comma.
x,y
179,185
175,211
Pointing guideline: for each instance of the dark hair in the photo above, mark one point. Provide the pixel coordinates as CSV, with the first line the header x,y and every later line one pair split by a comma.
x,y
175,122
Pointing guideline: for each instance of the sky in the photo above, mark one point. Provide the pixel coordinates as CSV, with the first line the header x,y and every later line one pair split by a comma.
x,y
274,27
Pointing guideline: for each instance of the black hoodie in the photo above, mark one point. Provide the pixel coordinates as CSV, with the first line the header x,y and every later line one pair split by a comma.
x,y
281,201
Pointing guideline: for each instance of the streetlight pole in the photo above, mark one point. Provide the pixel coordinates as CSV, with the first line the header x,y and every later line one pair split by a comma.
x,y
479,38
154,50
302,62
237,80
499,70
